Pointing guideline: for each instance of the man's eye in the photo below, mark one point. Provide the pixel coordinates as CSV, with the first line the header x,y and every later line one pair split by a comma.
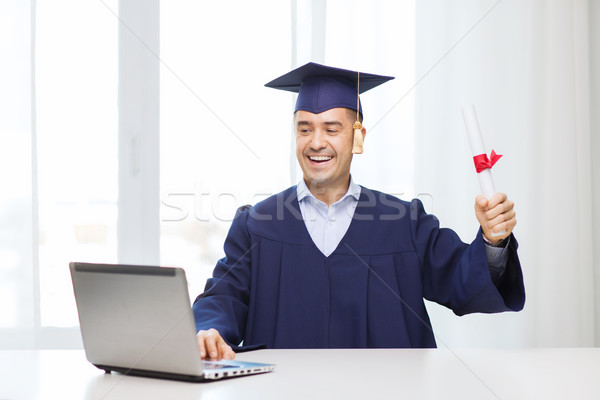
x,y
332,131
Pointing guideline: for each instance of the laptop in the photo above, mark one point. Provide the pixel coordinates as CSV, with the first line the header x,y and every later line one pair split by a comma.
x,y
137,320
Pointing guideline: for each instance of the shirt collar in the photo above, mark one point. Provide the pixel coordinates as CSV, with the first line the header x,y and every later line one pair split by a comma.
x,y
303,192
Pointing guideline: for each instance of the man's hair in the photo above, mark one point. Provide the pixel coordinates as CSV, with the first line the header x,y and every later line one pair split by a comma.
x,y
351,115
354,113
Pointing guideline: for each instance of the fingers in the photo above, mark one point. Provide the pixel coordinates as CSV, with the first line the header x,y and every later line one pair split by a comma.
x,y
225,351
210,342
201,346
497,204
495,215
212,346
506,218
506,226
501,209
503,222
481,203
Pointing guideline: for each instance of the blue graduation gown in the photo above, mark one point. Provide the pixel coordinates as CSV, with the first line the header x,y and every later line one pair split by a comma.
x,y
275,288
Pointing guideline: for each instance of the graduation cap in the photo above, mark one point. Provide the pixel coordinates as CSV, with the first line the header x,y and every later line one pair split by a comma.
x,y
321,88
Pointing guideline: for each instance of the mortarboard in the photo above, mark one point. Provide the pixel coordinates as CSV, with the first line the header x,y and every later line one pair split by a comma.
x,y
321,88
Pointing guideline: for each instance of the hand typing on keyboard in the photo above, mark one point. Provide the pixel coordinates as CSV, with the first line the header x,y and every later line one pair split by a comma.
x,y
213,346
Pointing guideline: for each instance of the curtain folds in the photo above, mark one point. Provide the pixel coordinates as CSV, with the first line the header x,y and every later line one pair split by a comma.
x,y
526,68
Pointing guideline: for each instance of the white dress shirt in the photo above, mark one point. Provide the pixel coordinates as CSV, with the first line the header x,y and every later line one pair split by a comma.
x,y
327,225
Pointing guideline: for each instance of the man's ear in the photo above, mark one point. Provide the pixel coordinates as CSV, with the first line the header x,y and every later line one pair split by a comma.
x,y
364,132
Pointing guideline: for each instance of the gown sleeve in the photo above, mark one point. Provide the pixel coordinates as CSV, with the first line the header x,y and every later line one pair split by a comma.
x,y
457,275
224,303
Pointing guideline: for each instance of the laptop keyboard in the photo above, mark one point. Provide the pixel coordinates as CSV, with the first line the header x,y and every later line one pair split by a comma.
x,y
215,365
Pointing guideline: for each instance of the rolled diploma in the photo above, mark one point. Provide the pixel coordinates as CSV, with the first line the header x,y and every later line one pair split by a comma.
x,y
486,183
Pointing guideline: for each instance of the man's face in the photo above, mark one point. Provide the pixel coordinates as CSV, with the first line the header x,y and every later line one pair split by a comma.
x,y
324,146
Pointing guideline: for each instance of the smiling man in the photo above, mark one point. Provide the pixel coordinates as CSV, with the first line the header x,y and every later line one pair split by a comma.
x,y
324,151
329,263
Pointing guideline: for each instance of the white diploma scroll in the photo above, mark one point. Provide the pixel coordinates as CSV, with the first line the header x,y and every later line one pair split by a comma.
x,y
476,141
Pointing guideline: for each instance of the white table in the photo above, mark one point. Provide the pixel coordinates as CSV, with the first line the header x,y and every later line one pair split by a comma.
x,y
325,374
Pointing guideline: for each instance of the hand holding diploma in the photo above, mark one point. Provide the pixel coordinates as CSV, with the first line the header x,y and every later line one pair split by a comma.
x,y
493,210
496,216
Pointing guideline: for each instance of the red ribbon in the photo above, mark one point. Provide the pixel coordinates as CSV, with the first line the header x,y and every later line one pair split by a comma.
x,y
482,162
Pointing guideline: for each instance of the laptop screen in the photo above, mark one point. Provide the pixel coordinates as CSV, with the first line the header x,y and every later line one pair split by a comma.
x,y
136,317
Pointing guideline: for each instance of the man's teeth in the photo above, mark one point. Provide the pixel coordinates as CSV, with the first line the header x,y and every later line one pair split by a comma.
x,y
320,158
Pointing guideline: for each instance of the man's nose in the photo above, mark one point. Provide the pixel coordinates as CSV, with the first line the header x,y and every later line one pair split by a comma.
x,y
318,141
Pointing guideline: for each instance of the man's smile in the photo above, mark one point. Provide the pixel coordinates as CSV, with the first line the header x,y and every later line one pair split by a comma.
x,y
320,159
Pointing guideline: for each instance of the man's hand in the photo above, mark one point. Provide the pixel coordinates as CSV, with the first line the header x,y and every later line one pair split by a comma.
x,y
212,346
495,215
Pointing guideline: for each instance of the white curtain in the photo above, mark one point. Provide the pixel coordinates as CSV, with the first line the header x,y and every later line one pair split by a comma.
x,y
374,37
18,279
527,68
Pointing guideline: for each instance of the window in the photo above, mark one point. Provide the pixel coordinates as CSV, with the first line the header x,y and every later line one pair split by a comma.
x,y
76,118
221,140
16,291
58,147
77,146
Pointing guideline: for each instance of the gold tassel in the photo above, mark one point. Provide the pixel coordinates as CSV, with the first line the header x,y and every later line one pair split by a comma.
x,y
357,147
